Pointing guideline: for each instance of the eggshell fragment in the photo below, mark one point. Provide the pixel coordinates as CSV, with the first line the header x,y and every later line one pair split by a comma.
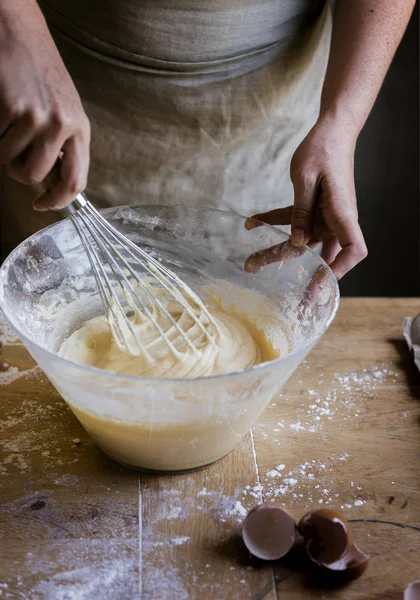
x,y
328,541
412,337
415,331
352,560
269,531
412,592
327,536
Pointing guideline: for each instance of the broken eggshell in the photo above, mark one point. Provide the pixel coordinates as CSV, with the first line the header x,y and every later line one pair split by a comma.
x,y
353,562
412,592
415,330
269,531
328,541
412,337
327,535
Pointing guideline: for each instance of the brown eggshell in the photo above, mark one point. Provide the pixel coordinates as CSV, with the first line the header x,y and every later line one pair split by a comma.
x,y
353,560
269,531
327,535
415,330
412,592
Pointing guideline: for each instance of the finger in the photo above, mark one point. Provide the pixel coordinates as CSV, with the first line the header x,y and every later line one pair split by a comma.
x,y
315,240
330,249
279,216
9,115
73,172
278,253
352,242
37,160
15,139
305,187
318,283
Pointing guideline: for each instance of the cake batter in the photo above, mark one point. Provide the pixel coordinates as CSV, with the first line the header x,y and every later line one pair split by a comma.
x,y
206,423
235,345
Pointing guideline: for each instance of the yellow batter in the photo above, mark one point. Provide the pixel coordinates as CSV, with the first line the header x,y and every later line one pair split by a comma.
x,y
206,423
235,345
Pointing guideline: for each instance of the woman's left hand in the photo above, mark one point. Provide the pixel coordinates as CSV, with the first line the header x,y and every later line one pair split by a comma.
x,y
325,209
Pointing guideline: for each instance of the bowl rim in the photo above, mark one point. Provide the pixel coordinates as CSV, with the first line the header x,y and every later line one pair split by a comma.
x,y
157,380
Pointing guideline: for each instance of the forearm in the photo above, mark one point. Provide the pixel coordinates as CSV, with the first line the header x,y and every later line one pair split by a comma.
x,y
22,26
41,114
17,13
366,34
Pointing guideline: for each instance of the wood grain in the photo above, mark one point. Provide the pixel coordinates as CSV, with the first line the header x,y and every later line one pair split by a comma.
x,y
73,524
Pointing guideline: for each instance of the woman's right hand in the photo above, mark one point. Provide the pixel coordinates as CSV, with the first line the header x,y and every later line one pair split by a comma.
x,y
41,114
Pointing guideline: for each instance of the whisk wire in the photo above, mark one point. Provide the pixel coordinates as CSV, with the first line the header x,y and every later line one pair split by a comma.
x,y
133,300
98,237
157,270
109,298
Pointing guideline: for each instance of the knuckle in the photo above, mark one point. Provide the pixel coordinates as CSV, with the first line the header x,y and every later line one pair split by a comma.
x,y
307,177
300,212
31,175
24,174
59,121
304,178
36,118
76,183
300,168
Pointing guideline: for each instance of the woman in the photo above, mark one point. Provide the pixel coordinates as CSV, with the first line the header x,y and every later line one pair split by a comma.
x,y
194,101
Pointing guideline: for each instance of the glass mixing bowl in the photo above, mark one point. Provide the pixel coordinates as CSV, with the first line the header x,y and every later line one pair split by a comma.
x,y
47,291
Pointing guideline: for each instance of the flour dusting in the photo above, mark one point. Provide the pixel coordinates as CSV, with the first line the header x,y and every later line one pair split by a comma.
x,y
8,336
315,481
11,374
76,567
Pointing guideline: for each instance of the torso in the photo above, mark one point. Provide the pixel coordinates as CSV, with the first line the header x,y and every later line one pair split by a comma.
x,y
184,30
190,101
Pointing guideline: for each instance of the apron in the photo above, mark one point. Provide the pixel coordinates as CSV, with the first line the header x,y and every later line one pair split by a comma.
x,y
190,101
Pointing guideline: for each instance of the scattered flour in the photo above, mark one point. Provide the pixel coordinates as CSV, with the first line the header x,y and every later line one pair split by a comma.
x,y
11,374
179,540
315,481
238,510
104,569
8,336
347,397
174,513
312,482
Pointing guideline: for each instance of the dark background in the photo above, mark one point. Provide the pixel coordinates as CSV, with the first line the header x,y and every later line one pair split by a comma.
x,y
387,182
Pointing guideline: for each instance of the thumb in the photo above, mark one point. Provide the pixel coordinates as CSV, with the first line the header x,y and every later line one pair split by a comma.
x,y
303,209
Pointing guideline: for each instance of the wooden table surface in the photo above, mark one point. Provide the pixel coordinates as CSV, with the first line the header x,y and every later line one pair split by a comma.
x,y
345,434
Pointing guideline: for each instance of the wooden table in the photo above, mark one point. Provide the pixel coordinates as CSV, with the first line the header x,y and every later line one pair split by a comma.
x,y
345,434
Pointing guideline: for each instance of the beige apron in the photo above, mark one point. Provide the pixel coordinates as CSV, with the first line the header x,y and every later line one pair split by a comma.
x,y
190,101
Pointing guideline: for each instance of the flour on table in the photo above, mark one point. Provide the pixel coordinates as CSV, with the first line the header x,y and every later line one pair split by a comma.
x,y
104,569
344,400
238,510
11,374
179,540
8,337
313,482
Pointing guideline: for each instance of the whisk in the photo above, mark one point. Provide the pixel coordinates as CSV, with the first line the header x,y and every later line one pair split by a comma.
x,y
113,258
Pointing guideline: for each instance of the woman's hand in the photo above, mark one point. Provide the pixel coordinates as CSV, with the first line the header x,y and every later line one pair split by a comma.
x,y
41,113
325,207
365,36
